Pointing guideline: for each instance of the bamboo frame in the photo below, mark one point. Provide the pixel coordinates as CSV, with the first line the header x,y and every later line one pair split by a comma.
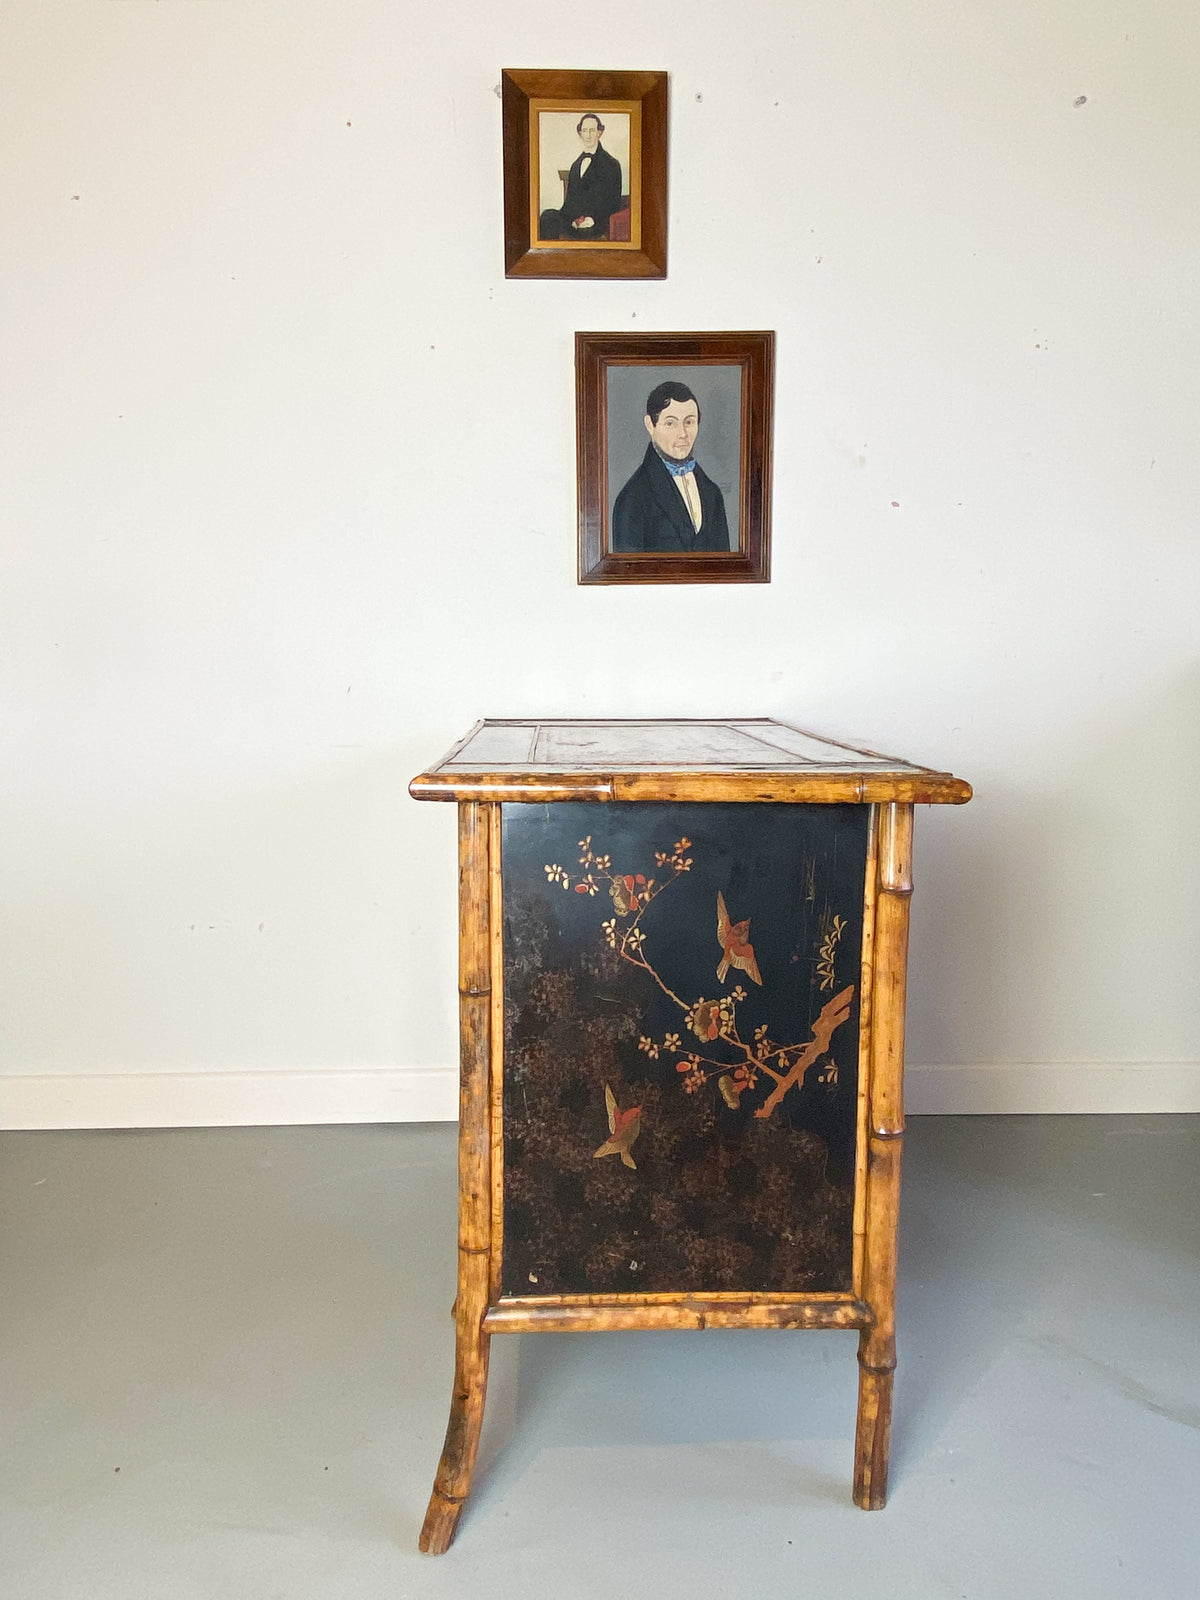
x,y
481,1309
817,788
592,1313
496,1053
885,1135
865,999
452,1483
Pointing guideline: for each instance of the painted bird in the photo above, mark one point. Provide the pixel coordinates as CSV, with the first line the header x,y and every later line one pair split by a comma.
x,y
623,1127
732,937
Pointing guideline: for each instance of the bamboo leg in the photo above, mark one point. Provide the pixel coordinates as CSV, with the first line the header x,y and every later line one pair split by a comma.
x,y
877,1344
452,1484
453,1481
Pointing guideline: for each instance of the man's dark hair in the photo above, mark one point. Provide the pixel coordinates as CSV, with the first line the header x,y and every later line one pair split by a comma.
x,y
583,119
663,394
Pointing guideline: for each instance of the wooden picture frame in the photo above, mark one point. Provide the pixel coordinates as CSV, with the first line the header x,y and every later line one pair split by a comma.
x,y
545,115
634,522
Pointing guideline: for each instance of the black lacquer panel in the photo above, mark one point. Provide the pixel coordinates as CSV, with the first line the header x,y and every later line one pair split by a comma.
x,y
679,1087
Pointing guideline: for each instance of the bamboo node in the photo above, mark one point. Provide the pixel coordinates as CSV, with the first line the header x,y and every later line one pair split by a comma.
x,y
878,1369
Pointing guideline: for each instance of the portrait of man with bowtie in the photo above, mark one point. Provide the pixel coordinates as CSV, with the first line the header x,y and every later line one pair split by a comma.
x,y
593,189
670,504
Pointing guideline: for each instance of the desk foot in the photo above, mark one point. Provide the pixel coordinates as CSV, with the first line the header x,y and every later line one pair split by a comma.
x,y
440,1522
452,1484
872,1437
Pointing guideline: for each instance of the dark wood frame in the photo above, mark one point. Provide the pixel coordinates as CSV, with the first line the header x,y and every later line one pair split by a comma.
x,y
755,354
524,257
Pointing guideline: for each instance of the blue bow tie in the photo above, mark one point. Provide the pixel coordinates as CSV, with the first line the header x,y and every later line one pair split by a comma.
x,y
678,469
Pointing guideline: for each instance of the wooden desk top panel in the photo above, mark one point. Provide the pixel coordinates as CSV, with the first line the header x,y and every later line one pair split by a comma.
x,y
753,758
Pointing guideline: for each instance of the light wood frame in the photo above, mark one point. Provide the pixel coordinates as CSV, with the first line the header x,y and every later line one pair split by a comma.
x,y
869,1306
526,91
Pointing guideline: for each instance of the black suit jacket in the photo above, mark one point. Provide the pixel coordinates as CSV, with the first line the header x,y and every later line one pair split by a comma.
x,y
595,194
650,513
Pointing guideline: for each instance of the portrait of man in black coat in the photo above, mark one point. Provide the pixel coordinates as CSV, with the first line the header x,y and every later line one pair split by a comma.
x,y
593,189
670,504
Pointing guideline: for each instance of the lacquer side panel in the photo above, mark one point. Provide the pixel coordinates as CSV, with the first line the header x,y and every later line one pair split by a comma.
x,y
681,1055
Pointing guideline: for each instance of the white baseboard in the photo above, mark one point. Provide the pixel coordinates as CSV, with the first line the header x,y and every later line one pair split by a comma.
x,y
1055,1087
228,1099
430,1094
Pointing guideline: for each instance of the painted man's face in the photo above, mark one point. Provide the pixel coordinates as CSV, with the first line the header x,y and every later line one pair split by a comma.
x,y
675,431
589,135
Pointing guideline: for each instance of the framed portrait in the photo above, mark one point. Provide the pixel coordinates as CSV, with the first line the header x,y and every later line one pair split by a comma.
x,y
673,440
585,174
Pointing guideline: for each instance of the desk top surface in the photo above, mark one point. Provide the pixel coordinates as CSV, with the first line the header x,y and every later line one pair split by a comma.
x,y
752,758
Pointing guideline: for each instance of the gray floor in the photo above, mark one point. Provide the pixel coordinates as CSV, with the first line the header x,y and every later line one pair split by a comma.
x,y
227,1353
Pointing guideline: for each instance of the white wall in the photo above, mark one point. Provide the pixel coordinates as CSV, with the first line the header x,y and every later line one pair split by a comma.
x,y
288,501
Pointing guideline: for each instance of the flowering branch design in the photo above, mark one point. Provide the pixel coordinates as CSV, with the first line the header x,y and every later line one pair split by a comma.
x,y
828,952
711,1022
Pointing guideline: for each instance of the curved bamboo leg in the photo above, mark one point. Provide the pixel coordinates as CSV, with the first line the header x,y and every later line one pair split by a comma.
x,y
452,1483
877,1344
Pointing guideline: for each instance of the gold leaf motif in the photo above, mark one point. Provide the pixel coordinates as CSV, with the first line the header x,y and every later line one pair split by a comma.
x,y
828,951
711,1022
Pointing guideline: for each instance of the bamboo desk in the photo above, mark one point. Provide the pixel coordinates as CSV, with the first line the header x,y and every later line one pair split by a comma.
x,y
682,951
